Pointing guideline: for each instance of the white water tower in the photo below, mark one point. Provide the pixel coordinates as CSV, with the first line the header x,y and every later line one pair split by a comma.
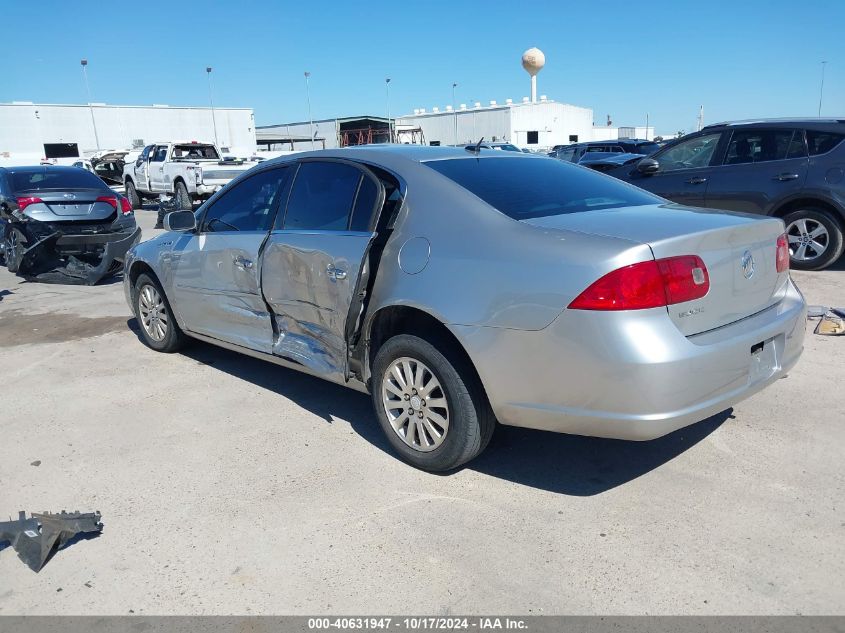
x,y
533,61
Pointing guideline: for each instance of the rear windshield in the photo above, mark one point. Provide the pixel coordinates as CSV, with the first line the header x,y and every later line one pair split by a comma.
x,y
71,178
526,188
646,148
194,151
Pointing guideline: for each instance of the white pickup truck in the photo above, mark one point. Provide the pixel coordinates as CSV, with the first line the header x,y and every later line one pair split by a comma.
x,y
189,171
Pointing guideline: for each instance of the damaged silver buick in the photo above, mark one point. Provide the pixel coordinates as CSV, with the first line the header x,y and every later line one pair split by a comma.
x,y
63,225
465,287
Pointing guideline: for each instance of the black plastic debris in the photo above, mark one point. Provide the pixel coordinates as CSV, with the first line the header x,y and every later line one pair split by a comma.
x,y
37,538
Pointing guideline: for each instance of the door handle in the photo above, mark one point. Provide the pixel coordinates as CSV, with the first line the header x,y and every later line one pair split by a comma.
x,y
242,262
335,273
783,177
697,181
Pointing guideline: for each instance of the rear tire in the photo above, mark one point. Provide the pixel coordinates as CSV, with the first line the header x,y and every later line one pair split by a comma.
x,y
13,248
815,238
183,198
159,330
132,195
432,409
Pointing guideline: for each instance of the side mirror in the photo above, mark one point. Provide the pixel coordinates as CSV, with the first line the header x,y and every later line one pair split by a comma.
x,y
180,221
648,166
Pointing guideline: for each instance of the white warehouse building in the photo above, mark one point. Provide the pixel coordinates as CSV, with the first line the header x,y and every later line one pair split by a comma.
x,y
540,124
30,132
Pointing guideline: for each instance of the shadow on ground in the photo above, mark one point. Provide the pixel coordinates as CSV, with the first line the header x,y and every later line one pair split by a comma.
x,y
565,464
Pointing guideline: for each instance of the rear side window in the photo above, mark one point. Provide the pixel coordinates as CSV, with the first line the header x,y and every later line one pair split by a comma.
x,y
822,142
322,196
46,178
524,188
365,204
758,146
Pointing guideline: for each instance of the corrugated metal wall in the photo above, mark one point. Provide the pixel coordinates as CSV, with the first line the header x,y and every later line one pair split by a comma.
x,y
24,128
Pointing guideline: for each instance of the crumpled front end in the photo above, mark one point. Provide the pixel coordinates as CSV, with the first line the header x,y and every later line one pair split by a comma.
x,y
65,255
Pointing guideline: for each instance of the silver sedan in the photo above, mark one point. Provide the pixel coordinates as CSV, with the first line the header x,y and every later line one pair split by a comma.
x,y
465,288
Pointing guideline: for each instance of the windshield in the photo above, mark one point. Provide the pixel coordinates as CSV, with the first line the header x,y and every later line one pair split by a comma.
x,y
646,148
524,188
47,178
193,151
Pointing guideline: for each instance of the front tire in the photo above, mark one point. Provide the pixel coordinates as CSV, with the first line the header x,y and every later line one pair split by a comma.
x,y
431,408
159,330
815,238
132,195
183,198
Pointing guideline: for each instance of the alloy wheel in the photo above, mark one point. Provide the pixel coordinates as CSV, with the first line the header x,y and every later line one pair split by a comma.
x,y
153,312
415,404
808,239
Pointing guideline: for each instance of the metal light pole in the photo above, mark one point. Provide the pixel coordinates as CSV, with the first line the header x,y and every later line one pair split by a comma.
x,y
84,63
308,97
454,111
821,90
389,124
211,101
646,127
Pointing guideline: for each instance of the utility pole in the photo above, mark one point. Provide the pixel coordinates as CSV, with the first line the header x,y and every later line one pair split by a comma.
x,y
821,90
308,96
455,111
211,101
389,123
84,63
646,127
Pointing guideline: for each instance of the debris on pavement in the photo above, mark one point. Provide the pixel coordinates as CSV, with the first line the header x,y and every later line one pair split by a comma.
x,y
830,325
37,538
816,312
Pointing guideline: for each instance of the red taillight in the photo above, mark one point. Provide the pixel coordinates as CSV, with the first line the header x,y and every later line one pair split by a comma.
x,y
24,202
782,254
650,284
125,206
112,200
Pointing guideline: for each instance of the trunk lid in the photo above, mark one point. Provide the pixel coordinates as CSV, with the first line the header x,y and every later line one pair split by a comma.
x,y
69,205
739,251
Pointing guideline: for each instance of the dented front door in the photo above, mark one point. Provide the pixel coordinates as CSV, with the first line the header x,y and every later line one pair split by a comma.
x,y
216,270
312,262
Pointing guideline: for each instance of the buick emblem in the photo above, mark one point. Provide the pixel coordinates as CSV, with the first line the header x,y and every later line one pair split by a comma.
x,y
747,264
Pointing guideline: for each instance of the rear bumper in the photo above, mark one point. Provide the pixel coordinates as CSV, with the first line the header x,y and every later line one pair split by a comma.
x,y
52,258
631,376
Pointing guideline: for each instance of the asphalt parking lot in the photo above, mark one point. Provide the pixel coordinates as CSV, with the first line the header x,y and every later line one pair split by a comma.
x,y
228,485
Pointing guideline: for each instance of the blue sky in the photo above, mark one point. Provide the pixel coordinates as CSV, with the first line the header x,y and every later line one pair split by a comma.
x,y
740,59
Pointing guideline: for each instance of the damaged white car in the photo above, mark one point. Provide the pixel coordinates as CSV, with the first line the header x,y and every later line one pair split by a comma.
x,y
63,224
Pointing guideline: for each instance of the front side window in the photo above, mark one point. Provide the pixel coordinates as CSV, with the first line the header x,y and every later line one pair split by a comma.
x,y
822,142
248,205
758,146
322,196
694,152
525,188
160,154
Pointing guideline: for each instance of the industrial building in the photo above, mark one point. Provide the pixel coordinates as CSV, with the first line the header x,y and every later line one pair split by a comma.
x,y
327,133
527,124
30,132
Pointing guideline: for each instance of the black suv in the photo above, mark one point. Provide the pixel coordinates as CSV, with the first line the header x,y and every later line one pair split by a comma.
x,y
792,169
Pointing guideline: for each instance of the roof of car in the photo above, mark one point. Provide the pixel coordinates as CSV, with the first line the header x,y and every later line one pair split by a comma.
x,y
32,169
804,122
416,153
